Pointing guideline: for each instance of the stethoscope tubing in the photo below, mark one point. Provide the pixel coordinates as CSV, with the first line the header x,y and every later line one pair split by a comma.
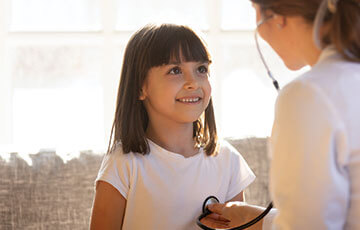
x,y
274,81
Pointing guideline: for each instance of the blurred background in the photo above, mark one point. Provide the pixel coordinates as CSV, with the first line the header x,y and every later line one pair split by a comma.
x,y
60,62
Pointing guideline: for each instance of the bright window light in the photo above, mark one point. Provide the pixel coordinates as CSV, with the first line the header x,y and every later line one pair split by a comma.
x,y
247,105
66,118
237,15
55,15
187,12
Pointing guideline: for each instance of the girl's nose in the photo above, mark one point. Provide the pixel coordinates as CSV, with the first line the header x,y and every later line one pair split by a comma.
x,y
191,81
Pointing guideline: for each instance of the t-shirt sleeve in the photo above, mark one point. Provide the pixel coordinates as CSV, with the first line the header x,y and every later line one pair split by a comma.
x,y
116,169
241,174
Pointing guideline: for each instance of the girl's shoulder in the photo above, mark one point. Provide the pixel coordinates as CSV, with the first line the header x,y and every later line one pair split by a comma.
x,y
230,158
117,155
227,150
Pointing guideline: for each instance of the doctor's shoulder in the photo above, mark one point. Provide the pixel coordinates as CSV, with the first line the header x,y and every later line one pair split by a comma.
x,y
321,80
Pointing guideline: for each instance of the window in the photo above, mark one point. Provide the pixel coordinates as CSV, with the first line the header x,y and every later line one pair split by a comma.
x,y
60,63
237,15
131,15
54,15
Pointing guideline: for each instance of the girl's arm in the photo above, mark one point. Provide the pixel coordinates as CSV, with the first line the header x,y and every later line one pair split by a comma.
x,y
108,208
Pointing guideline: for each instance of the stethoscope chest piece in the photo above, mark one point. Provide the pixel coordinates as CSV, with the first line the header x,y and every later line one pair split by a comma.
x,y
208,201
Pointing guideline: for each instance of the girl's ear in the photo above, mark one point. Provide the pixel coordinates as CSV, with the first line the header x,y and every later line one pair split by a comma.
x,y
143,90
142,94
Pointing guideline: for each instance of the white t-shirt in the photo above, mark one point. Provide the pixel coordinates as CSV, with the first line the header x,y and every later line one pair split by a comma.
x,y
315,146
165,190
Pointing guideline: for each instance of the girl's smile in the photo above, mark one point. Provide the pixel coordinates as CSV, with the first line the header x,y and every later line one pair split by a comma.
x,y
189,100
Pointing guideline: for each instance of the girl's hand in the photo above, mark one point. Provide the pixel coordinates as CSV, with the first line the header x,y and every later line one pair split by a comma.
x,y
238,213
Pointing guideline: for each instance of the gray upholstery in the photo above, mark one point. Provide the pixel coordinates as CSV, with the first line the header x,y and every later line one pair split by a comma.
x,y
254,150
52,194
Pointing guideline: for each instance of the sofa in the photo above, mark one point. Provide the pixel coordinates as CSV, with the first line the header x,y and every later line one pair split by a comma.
x,y
53,194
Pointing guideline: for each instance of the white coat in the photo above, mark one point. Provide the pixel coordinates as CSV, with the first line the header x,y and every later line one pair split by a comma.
x,y
315,149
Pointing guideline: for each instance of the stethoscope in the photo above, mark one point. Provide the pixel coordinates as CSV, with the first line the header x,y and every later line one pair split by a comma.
x,y
212,199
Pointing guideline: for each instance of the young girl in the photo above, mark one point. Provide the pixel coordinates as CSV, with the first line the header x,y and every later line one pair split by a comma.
x,y
165,158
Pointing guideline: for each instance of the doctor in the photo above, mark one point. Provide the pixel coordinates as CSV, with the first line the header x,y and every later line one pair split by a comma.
x,y
315,141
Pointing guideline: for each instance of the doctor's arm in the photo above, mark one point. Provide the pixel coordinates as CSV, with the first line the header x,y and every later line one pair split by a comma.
x,y
307,180
108,208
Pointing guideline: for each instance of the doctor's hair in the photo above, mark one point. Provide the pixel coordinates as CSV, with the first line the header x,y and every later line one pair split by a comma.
x,y
343,24
152,46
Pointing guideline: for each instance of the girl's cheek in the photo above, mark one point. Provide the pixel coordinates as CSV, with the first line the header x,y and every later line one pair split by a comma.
x,y
209,88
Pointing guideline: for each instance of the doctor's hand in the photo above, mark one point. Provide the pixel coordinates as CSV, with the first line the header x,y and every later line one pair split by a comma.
x,y
214,220
238,213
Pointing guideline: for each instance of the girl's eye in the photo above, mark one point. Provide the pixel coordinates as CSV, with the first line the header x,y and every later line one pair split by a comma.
x,y
202,69
175,70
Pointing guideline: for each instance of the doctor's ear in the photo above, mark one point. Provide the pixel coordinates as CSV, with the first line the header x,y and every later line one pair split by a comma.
x,y
280,21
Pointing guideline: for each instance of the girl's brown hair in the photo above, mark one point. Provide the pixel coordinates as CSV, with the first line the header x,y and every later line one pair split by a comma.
x,y
149,47
344,23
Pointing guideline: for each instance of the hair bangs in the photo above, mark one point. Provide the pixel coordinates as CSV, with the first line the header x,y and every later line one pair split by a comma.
x,y
175,45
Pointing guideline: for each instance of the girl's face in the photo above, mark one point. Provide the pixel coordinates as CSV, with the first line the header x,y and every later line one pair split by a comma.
x,y
178,92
